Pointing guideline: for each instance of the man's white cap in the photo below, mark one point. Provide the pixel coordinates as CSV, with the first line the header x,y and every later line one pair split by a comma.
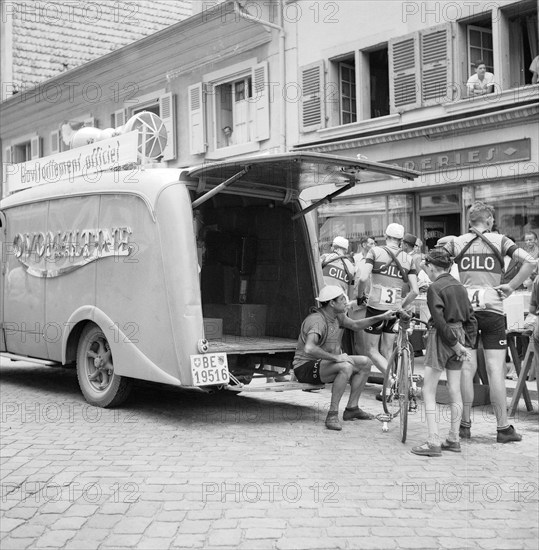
x,y
341,242
444,240
395,230
330,292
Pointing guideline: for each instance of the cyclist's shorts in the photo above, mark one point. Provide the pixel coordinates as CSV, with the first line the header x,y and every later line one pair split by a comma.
x,y
382,326
491,330
309,372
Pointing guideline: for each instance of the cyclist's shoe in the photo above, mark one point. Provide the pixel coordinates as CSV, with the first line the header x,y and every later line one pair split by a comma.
x,y
507,435
332,421
465,430
427,449
356,414
453,446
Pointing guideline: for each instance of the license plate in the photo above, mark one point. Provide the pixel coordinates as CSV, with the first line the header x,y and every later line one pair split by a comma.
x,y
209,369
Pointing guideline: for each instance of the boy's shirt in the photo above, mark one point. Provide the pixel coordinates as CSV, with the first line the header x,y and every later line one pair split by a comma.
x,y
448,303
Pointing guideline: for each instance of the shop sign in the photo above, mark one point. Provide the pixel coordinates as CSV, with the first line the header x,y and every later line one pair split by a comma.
x,y
508,151
86,161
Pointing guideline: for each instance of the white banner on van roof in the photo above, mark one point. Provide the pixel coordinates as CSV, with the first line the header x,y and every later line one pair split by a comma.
x,y
86,161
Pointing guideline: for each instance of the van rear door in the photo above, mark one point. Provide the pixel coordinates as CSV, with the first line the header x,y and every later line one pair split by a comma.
x,y
285,176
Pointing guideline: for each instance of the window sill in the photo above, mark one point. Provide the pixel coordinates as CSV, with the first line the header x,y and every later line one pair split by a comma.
x,y
233,150
364,125
497,99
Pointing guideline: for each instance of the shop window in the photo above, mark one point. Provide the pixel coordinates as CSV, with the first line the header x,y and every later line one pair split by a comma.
x,y
356,217
516,205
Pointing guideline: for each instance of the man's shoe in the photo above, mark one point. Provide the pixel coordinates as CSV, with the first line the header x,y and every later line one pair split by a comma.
x,y
427,449
356,414
453,446
465,431
508,435
332,421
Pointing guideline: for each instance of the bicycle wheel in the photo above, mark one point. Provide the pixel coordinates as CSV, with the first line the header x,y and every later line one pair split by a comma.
x,y
404,370
390,390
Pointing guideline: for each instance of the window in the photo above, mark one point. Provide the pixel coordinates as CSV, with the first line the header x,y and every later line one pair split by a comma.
x,y
523,43
22,152
161,104
229,110
480,46
234,112
347,92
379,82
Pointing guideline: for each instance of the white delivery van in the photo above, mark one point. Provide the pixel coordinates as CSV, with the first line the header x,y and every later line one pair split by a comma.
x,y
195,277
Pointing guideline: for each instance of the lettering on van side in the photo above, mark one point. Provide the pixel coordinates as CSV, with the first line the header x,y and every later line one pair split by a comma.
x,y
69,250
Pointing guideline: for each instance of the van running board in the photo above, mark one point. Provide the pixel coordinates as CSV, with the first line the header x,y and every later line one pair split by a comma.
x,y
274,386
14,357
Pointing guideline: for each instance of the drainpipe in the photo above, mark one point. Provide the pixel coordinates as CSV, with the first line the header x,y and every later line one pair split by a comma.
x,y
282,68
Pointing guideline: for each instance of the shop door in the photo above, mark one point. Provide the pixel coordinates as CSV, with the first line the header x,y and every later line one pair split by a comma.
x,y
438,226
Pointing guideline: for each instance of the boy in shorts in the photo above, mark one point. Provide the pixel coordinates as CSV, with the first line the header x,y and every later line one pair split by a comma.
x,y
452,329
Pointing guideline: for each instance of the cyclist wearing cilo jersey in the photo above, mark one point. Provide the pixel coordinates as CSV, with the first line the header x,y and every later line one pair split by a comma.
x,y
479,255
391,271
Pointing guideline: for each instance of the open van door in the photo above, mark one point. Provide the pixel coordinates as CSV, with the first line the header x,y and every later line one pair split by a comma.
x,y
284,176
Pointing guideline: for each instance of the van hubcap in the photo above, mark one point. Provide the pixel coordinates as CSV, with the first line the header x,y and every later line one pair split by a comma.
x,y
99,366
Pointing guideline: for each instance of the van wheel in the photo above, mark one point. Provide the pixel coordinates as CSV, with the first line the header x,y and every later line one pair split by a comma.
x,y
95,370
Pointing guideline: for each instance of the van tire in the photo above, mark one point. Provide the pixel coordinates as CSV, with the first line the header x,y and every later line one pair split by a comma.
x,y
99,384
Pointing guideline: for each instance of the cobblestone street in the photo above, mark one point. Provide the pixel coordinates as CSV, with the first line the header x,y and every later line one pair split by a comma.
x,y
174,469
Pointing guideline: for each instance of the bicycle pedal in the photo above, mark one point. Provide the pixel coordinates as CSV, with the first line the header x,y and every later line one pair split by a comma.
x,y
417,378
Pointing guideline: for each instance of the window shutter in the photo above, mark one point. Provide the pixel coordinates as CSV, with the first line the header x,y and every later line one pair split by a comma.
x,y
404,73
55,142
197,141
118,118
435,65
312,104
8,155
167,110
35,148
261,101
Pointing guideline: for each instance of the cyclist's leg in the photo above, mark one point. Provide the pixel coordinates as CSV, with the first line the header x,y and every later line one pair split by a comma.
x,y
430,383
469,369
455,402
372,343
339,374
362,368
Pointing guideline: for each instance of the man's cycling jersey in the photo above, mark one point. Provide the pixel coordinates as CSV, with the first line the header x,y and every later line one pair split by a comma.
x,y
387,284
479,268
339,271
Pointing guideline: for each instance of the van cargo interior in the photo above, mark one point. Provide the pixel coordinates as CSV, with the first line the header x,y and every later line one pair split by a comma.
x,y
256,277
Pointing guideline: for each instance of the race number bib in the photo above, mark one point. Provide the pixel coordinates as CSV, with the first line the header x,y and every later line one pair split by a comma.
x,y
477,297
389,296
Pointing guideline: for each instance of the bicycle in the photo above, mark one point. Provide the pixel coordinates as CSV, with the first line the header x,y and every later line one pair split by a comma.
x,y
399,391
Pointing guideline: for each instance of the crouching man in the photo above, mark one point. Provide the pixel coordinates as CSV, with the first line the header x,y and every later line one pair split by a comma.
x,y
319,358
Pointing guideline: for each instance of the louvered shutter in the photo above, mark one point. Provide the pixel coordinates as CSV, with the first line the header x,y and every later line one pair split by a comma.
x,y
261,101
404,75
435,65
118,118
8,155
197,141
312,104
55,142
35,148
167,110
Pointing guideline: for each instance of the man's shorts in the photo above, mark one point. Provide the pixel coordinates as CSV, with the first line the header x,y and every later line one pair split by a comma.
x,y
382,326
309,372
491,330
